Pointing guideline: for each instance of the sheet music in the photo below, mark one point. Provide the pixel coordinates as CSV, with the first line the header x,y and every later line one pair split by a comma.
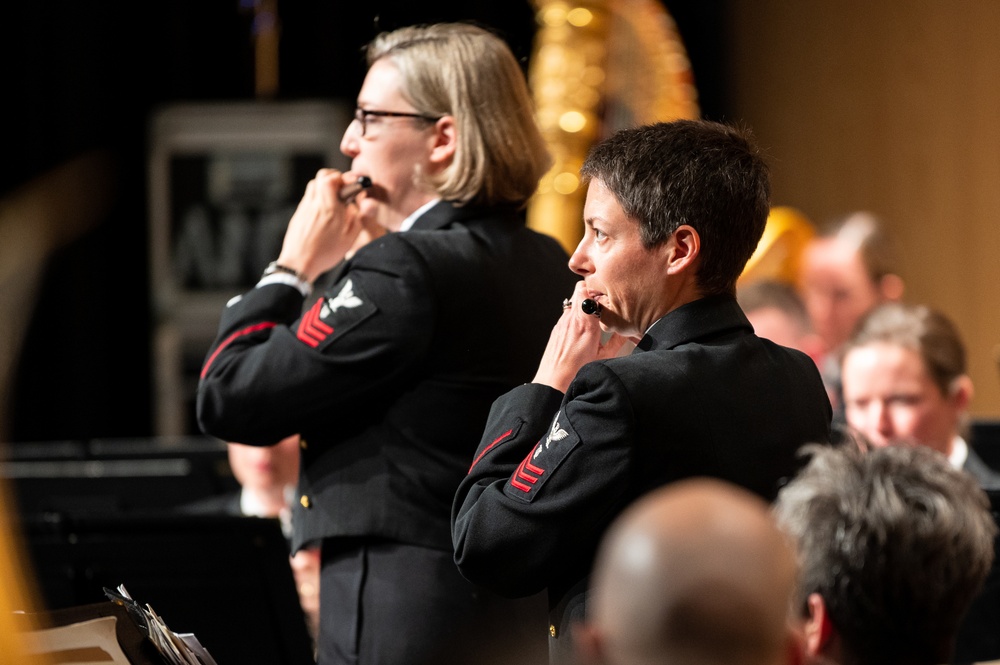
x,y
177,649
92,642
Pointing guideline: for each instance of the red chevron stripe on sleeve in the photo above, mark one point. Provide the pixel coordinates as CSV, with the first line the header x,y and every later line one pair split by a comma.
x,y
312,330
522,475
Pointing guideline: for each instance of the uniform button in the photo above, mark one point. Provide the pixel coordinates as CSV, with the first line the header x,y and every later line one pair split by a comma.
x,y
305,501
302,444
552,629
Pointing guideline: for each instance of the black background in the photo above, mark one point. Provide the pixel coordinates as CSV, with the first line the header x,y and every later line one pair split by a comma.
x,y
86,76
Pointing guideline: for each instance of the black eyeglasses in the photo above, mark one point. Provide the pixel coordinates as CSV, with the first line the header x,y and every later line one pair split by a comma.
x,y
362,115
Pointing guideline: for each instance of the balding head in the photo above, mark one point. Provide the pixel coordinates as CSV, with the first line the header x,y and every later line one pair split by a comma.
x,y
695,572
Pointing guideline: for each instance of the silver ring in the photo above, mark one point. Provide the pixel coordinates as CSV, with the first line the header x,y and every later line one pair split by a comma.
x,y
567,303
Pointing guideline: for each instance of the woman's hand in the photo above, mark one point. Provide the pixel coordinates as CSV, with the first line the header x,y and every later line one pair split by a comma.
x,y
575,341
323,229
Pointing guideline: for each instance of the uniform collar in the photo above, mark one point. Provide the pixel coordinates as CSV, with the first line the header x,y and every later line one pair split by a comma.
x,y
416,214
445,213
705,317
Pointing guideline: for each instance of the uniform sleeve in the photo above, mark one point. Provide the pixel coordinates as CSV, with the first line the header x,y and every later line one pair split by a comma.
x,y
273,371
544,483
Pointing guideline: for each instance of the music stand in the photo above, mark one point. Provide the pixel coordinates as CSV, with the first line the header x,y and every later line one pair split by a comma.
x,y
226,579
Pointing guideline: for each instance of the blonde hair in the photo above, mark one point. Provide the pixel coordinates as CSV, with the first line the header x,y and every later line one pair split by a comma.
x,y
469,73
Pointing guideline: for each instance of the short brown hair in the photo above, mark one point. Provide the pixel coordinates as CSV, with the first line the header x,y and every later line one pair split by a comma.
x,y
918,328
708,175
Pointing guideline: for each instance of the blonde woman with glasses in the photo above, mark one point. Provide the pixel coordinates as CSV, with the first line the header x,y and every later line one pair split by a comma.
x,y
390,372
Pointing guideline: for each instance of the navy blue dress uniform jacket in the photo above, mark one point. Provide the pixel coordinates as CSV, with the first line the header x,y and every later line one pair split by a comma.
x,y
700,395
390,373
987,476
977,639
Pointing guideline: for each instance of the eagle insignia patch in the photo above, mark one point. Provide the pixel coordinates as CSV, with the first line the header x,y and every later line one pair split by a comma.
x,y
345,298
332,317
543,460
556,433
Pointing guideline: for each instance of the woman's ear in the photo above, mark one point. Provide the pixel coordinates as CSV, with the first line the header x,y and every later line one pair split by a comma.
x,y
445,142
683,249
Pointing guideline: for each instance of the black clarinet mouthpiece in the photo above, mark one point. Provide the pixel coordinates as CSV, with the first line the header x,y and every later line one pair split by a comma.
x,y
348,193
591,307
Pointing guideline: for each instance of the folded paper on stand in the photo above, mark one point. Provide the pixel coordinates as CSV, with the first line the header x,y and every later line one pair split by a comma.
x,y
92,642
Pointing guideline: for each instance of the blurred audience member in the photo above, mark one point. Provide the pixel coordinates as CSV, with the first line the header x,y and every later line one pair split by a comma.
x,y
777,313
846,270
893,546
267,477
694,573
904,381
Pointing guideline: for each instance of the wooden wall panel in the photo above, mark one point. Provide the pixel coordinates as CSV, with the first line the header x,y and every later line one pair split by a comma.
x,y
894,107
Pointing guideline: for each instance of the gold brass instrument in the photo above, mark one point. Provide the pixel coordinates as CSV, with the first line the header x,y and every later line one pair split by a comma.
x,y
599,66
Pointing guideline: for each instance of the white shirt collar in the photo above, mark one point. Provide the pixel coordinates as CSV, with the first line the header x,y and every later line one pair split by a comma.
x,y
409,221
252,506
959,452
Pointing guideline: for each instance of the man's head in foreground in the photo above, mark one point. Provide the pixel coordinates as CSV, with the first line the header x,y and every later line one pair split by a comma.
x,y
694,572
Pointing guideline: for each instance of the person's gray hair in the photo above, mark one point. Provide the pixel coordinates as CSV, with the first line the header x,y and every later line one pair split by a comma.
x,y
895,540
